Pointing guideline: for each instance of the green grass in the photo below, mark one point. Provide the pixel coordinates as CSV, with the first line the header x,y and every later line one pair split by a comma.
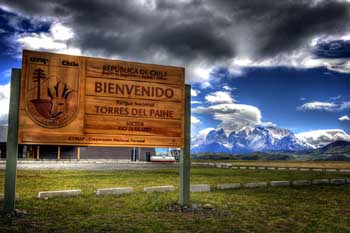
x,y
287,209
303,164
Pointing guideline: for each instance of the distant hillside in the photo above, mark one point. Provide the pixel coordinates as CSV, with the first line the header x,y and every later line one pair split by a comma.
x,y
252,156
213,156
336,147
336,151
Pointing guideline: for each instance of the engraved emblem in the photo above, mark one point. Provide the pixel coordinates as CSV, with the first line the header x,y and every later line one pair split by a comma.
x,y
52,95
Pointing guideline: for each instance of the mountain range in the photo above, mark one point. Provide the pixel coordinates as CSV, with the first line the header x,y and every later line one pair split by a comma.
x,y
264,143
249,140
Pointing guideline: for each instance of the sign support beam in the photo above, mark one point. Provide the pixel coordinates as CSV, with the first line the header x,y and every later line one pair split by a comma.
x,y
37,152
59,153
78,153
12,143
185,160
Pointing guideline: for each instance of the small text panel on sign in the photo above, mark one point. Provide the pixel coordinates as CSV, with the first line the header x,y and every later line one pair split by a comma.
x,y
103,140
134,71
130,126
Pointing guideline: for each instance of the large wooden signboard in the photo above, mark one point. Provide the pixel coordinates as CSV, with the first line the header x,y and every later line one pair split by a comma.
x,y
74,100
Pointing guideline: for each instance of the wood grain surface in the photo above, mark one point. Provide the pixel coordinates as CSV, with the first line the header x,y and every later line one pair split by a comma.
x,y
75,100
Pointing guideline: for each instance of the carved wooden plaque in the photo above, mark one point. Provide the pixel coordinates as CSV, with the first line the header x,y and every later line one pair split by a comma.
x,y
75,100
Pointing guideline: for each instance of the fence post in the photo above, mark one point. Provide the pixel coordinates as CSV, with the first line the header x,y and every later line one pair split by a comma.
x,y
12,143
185,160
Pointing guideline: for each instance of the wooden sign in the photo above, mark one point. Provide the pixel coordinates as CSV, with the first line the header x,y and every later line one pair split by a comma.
x,y
75,100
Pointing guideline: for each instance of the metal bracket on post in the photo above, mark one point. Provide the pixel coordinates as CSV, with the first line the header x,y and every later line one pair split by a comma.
x,y
12,143
185,160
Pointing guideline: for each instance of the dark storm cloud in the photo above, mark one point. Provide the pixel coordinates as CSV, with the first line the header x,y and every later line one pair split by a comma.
x,y
195,39
333,49
192,30
281,26
12,23
139,31
297,23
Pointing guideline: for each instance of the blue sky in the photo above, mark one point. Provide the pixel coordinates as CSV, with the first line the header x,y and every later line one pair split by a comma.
x,y
280,92
10,25
250,63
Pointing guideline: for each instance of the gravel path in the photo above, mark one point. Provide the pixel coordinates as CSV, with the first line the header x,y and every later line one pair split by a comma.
x,y
87,165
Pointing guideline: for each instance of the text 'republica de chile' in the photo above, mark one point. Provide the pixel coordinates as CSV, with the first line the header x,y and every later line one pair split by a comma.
x,y
124,90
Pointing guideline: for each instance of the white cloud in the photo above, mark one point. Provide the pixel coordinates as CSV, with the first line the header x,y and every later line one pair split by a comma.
x,y
220,97
196,102
194,120
40,41
233,117
296,59
194,92
4,102
347,36
56,40
228,88
195,125
319,138
204,132
316,105
344,118
335,97
324,106
242,61
199,138
200,74
268,124
6,74
338,65
299,58
61,32
344,105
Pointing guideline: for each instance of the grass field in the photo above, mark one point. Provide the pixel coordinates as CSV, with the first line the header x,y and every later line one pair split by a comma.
x,y
303,164
288,209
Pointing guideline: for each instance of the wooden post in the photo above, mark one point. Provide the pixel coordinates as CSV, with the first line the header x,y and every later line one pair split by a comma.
x,y
37,152
58,153
78,153
134,154
12,143
185,160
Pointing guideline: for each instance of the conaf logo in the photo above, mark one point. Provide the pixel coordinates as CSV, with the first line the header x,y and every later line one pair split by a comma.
x,y
39,60
52,95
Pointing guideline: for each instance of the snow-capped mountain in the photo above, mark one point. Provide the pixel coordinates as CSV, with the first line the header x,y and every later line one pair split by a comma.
x,y
215,141
249,139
